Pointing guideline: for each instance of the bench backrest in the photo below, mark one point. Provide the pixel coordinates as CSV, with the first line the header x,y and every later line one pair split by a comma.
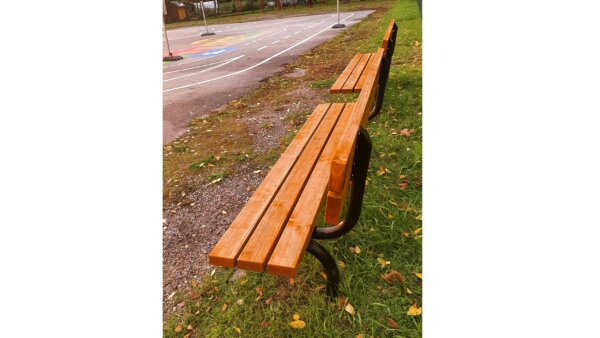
x,y
342,160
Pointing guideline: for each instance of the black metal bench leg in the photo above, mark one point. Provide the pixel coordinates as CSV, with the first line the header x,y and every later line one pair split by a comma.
x,y
331,269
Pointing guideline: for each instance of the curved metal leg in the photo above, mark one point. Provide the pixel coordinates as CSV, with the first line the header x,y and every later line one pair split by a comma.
x,y
360,167
331,269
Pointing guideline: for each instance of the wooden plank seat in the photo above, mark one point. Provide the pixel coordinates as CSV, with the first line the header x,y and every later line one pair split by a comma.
x,y
352,78
276,226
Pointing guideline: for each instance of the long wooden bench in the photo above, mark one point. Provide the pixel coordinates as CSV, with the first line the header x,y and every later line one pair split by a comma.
x,y
330,154
352,78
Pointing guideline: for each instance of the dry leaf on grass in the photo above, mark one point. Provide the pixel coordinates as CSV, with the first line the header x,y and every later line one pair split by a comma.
x,y
419,218
178,328
418,274
258,290
268,301
342,302
392,324
238,330
297,324
383,262
403,186
393,277
240,302
414,310
417,230
341,264
406,132
224,307
350,309
355,249
189,327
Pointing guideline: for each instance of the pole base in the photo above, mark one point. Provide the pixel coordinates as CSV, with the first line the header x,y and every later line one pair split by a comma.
x,y
172,58
207,33
338,25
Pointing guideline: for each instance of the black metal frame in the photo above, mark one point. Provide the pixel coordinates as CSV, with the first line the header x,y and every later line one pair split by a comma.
x,y
360,166
385,72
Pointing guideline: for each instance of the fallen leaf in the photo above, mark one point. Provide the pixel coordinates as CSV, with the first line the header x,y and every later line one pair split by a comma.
x,y
180,305
392,324
414,310
350,309
296,316
360,335
187,335
217,158
297,324
417,230
406,132
240,301
238,330
383,262
257,171
341,264
212,273
403,185
324,275
408,291
268,301
355,249
403,205
393,277
264,324
418,274
342,302
419,218
258,290
189,327
224,307
402,177
178,328
381,171
405,234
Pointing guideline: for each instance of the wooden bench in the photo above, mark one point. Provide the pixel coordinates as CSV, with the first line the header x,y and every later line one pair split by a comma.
x,y
329,155
352,78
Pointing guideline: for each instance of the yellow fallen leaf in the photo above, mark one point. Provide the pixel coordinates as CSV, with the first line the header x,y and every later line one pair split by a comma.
x,y
405,234
178,328
189,327
414,310
324,275
419,218
402,177
350,309
240,301
381,171
297,324
355,249
238,330
224,307
417,230
360,335
418,274
341,264
408,291
383,262
296,316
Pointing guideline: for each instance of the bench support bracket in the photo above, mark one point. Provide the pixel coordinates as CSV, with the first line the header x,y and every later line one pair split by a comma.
x,y
360,166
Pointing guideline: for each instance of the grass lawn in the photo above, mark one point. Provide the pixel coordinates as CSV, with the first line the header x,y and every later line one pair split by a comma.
x,y
320,8
261,305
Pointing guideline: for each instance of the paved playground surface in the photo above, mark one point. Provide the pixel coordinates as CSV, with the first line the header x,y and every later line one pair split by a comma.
x,y
219,68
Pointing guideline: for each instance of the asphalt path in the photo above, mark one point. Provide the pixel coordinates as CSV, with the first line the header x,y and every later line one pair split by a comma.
x,y
223,67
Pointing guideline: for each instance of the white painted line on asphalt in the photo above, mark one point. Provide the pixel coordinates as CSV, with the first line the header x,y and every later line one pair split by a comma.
x,y
297,32
206,70
287,36
274,42
285,29
185,63
263,47
258,64
201,66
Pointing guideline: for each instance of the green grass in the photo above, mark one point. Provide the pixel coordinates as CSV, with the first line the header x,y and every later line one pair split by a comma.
x,y
391,214
256,15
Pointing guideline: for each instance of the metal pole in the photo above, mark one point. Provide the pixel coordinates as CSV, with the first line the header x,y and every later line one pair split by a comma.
x,y
338,25
203,16
170,57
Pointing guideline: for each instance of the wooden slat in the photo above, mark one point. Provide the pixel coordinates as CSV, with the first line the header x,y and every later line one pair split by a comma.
x,y
335,200
388,35
363,77
342,160
358,70
292,244
225,252
339,83
256,252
